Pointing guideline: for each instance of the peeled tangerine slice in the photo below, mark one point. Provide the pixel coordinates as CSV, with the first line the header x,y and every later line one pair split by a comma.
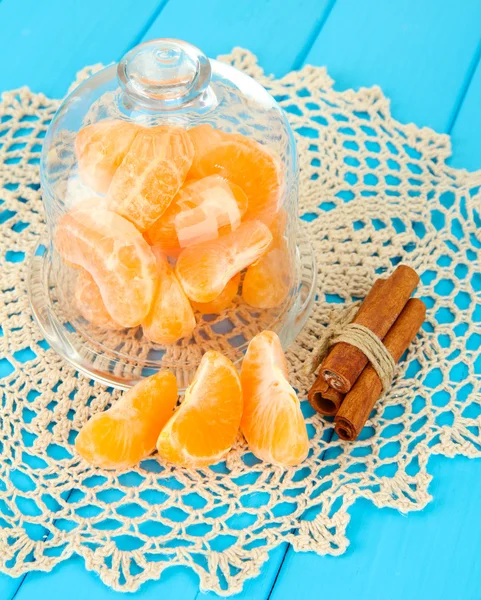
x,y
171,317
90,304
205,269
223,300
252,167
206,424
272,422
202,210
267,282
100,148
126,433
117,257
203,137
151,174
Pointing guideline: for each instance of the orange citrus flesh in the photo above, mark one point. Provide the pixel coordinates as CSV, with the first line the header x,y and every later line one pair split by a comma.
x,y
90,304
100,148
127,432
205,269
205,426
150,174
267,282
203,209
171,316
251,166
203,137
117,257
278,227
223,300
272,422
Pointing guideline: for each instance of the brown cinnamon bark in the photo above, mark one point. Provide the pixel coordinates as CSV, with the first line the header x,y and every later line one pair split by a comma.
x,y
358,403
324,399
380,309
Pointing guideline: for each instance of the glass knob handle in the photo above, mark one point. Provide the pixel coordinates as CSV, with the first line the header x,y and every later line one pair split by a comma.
x,y
164,74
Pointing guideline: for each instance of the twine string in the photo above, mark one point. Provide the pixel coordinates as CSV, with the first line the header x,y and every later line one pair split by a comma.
x,y
340,329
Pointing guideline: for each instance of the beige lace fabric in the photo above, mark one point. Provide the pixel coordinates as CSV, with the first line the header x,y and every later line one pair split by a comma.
x,y
373,193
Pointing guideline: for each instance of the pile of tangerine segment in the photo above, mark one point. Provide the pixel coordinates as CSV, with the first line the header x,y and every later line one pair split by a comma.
x,y
178,215
200,432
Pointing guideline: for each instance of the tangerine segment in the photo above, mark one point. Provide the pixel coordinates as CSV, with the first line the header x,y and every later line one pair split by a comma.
x,y
267,282
205,269
150,174
220,207
90,304
223,300
278,228
253,168
116,256
206,424
203,137
202,210
272,422
126,433
171,316
100,148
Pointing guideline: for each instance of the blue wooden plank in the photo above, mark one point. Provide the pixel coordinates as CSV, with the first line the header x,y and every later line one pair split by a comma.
x,y
272,29
206,33
432,554
9,586
466,130
420,53
44,44
426,79
262,27
251,23
71,580
260,587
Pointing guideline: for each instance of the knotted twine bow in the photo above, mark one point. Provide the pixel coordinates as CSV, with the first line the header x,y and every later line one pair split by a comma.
x,y
341,329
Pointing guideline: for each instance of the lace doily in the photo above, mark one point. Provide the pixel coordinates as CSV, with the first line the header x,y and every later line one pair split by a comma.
x,y
373,193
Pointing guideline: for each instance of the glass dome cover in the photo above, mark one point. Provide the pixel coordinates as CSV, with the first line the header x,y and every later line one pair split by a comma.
x,y
170,186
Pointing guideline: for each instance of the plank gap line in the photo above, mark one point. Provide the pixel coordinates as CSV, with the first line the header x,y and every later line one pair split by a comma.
x,y
465,87
278,573
25,576
301,57
46,536
289,545
147,25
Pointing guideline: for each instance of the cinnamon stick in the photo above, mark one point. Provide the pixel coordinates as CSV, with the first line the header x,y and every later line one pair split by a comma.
x,y
359,402
324,399
380,309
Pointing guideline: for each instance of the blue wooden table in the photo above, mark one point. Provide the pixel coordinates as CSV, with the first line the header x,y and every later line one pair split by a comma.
x,y
425,54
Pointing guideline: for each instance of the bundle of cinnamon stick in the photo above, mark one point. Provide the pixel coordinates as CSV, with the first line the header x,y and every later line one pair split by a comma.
x,y
347,385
